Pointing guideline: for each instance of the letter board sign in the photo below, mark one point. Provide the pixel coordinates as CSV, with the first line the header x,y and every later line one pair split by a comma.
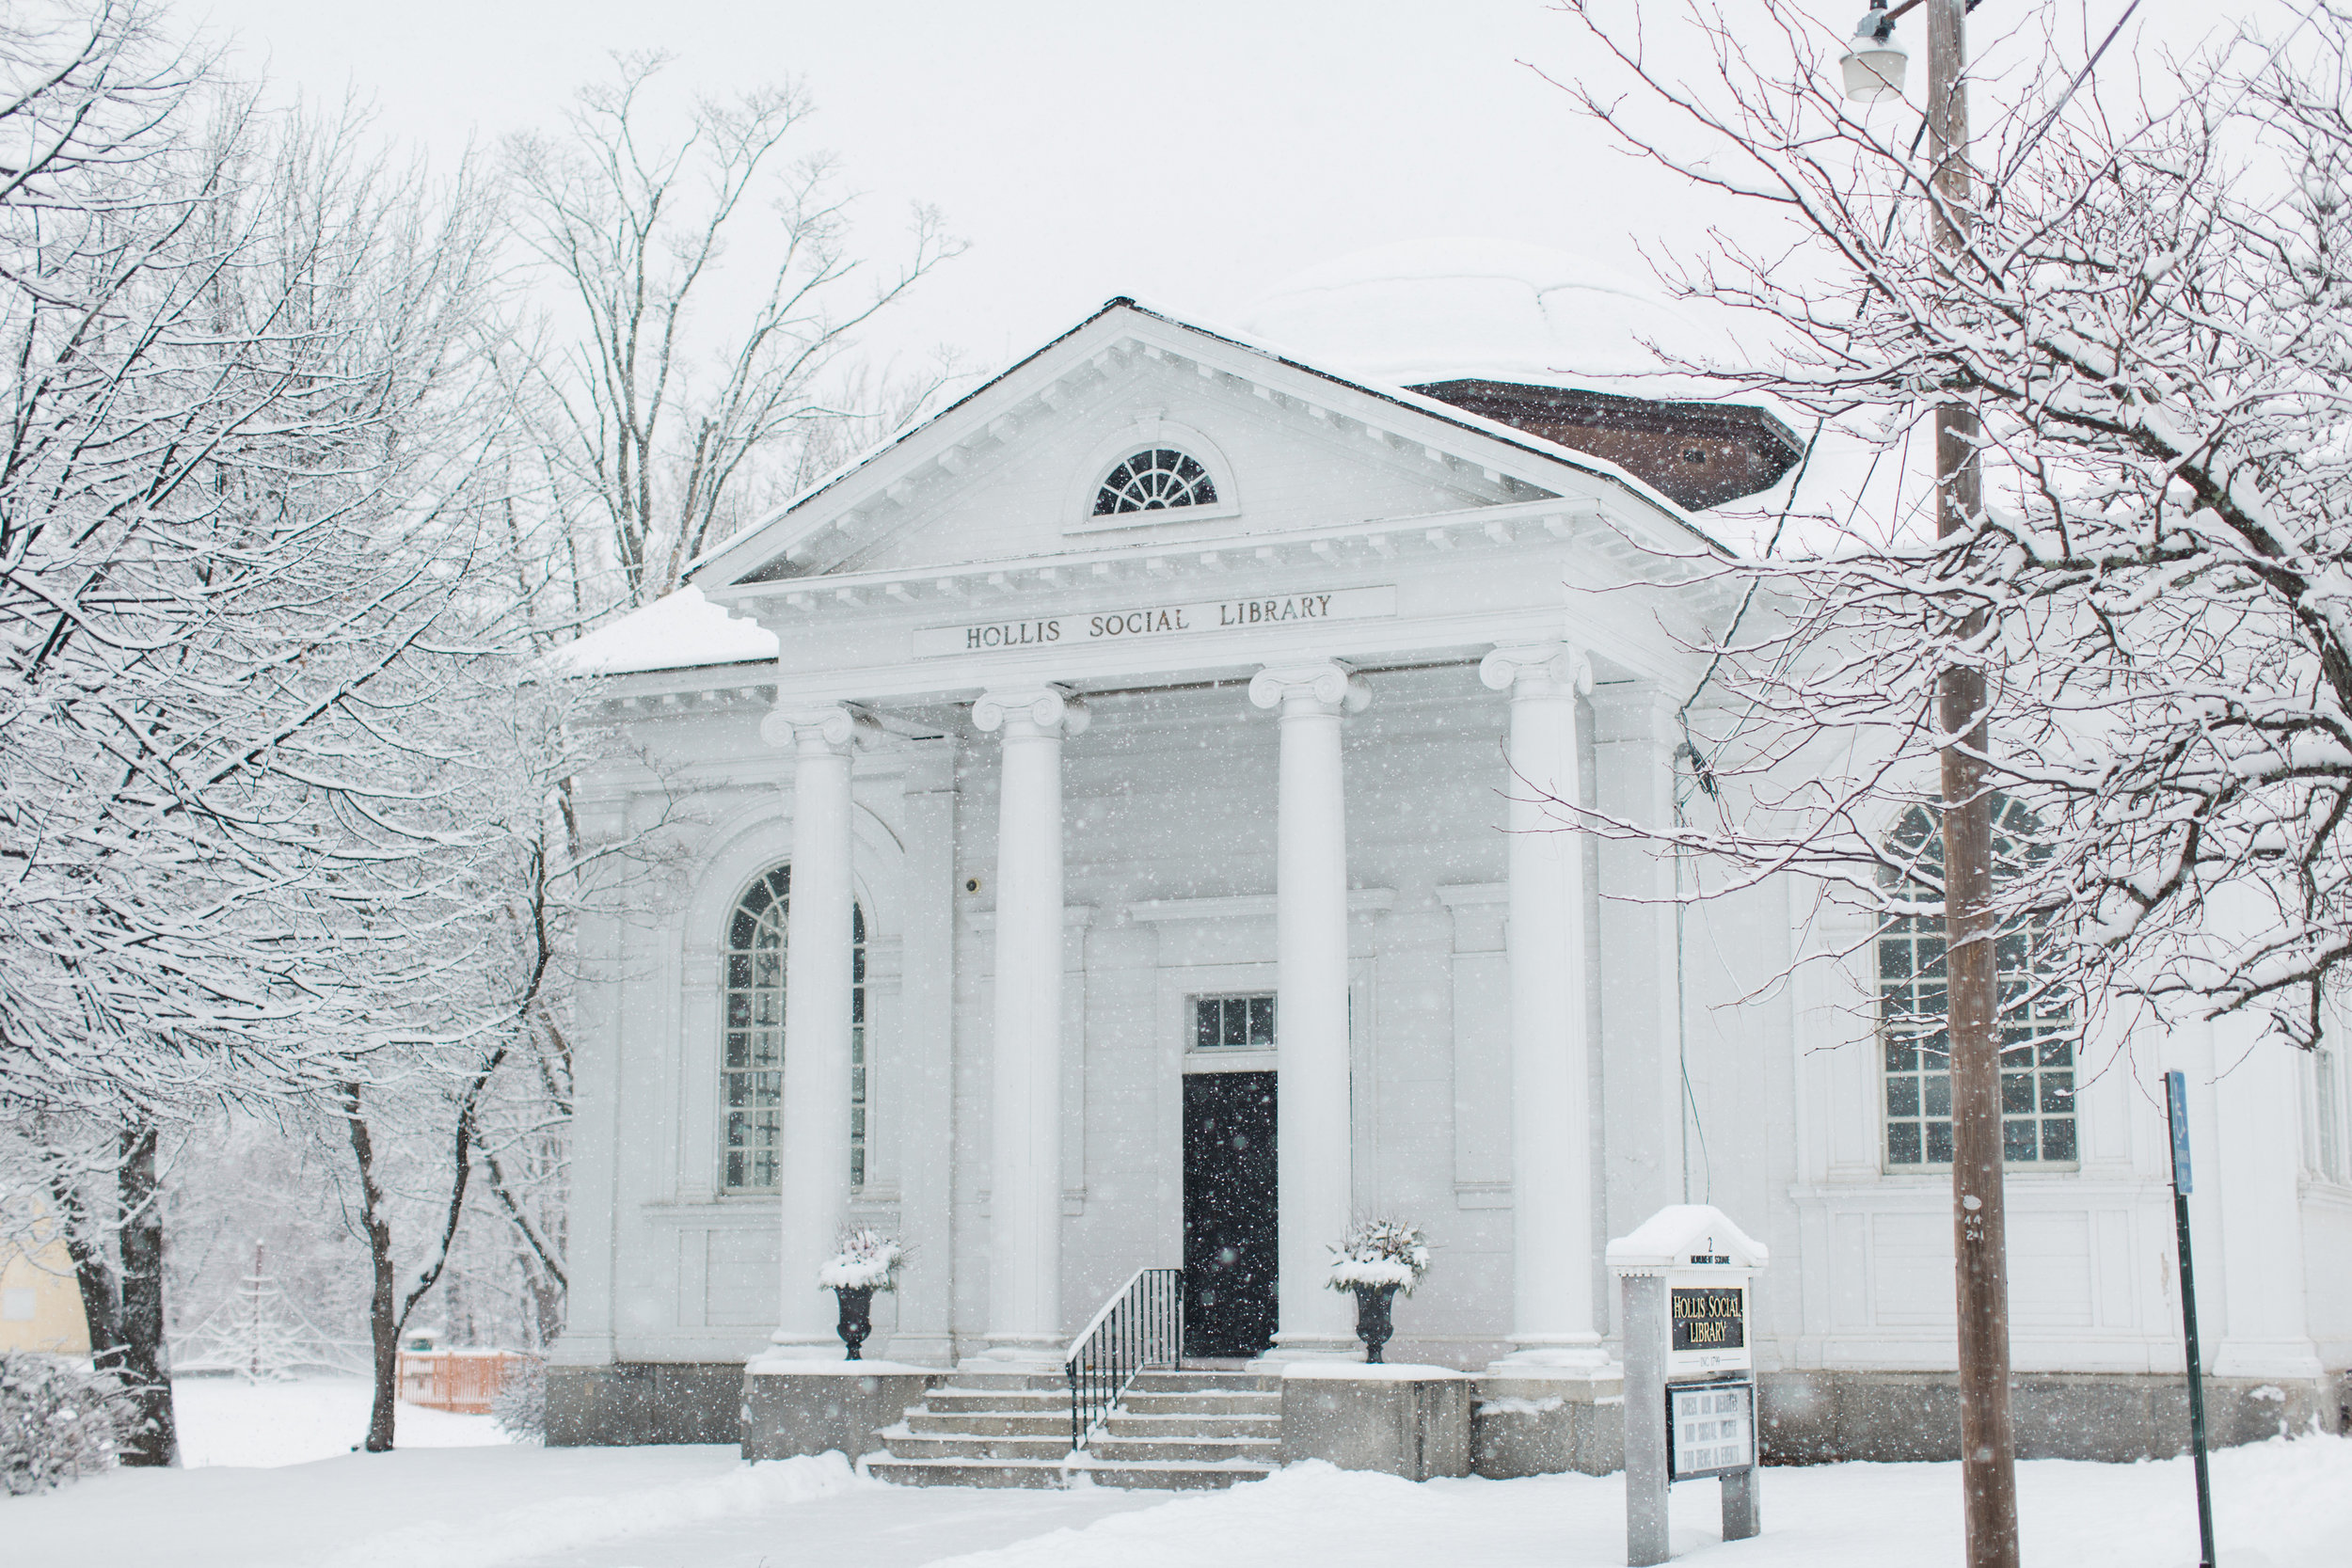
x,y
1711,1429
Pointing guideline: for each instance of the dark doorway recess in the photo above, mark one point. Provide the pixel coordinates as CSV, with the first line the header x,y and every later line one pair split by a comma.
x,y
1232,1265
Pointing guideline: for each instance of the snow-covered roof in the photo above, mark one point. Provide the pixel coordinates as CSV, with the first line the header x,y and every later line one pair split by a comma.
x,y
680,630
1442,309
1675,1236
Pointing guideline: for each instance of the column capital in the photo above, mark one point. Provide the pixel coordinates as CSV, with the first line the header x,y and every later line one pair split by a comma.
x,y
1537,670
1326,684
820,727
1051,710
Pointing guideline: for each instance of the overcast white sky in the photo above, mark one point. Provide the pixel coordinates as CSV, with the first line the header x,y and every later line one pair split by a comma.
x,y
1193,153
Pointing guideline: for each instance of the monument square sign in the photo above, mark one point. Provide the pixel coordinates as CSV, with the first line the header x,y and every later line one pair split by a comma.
x,y
1689,1391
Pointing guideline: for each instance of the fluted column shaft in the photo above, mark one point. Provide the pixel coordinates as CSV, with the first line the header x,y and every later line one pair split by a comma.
x,y
814,1159
1313,1140
1024,1158
1552,1316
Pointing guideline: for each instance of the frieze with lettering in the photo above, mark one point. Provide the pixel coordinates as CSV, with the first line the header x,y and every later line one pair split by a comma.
x,y
1126,623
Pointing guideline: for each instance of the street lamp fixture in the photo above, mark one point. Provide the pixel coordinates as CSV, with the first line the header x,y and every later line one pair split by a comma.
x,y
1874,64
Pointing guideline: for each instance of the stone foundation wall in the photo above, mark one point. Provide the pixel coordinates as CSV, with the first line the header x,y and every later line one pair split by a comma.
x,y
644,1401
1536,1426
1408,1420
787,1412
1809,1418
1816,1416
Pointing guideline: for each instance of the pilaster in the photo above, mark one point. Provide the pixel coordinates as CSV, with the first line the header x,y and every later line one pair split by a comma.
x,y
923,1061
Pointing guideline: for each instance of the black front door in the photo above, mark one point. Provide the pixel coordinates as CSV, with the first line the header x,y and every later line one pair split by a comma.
x,y
1231,1263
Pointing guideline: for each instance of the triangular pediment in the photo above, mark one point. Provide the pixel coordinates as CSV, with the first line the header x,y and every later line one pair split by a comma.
x,y
1272,447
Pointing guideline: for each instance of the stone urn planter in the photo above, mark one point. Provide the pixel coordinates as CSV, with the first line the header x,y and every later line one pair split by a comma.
x,y
1373,1324
1378,1258
857,1317
868,1262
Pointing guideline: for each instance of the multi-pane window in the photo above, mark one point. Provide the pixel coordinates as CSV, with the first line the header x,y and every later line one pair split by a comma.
x,y
1151,480
2036,1017
751,1065
1227,1022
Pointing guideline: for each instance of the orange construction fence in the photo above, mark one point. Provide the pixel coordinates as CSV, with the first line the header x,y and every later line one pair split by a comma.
x,y
464,1381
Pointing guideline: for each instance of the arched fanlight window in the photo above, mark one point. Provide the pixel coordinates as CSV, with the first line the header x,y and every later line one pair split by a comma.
x,y
1154,478
2037,1013
750,1062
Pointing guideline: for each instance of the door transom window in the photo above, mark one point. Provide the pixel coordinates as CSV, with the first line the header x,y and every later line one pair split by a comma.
x,y
1233,1024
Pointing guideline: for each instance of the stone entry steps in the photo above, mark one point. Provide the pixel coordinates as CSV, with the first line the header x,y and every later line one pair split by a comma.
x,y
1175,1431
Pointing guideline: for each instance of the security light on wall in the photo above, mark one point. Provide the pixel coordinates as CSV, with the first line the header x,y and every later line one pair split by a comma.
x,y
1874,65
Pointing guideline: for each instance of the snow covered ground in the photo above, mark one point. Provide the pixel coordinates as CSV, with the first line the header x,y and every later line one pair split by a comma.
x,y
227,1420
460,1498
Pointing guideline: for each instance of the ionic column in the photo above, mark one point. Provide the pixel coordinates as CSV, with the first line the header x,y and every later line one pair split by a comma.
x,y
1024,1155
814,1159
1553,1322
1313,1162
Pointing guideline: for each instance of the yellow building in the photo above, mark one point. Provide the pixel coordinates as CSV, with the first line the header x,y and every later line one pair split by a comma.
x,y
40,1303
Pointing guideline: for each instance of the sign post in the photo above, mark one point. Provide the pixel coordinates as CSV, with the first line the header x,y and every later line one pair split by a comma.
x,y
2176,1117
1690,1370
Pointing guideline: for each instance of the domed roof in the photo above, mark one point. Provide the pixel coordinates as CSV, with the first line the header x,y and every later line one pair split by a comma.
x,y
1441,310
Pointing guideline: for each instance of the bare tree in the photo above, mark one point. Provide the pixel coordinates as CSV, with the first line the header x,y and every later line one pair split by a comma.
x,y
658,439
2149,319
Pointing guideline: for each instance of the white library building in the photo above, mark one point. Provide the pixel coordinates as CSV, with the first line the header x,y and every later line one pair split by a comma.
x,y
1102,842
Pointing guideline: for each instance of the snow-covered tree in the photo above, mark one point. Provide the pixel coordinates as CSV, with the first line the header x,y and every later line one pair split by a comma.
x,y
247,429
2148,316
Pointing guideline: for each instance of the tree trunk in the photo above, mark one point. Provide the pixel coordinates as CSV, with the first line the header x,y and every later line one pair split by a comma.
x,y
143,1358
383,1311
547,1301
94,1273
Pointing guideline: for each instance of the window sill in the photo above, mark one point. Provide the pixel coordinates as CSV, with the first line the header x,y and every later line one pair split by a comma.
x,y
2032,1167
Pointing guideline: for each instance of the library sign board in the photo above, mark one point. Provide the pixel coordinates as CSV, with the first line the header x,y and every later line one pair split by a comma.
x,y
1685,1278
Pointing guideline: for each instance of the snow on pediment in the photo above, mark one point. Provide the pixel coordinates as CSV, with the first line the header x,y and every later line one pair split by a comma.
x,y
680,630
1012,472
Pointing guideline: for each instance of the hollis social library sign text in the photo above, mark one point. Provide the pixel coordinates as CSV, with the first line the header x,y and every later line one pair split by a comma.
x,y
1213,615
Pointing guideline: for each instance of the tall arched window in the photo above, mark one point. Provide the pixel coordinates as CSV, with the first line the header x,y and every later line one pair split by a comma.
x,y
2036,1014
751,1062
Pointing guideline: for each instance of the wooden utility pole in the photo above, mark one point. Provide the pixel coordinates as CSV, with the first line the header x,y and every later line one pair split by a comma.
x,y
1988,1442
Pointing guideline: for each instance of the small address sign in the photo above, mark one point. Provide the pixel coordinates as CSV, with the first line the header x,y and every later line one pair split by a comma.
x,y
1711,1318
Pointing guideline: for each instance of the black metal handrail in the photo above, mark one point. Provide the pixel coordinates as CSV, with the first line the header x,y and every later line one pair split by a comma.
x,y
1141,1326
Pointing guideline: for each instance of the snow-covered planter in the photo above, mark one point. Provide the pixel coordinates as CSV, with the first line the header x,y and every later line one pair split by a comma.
x,y
1380,1254
57,1420
868,1262
1378,1258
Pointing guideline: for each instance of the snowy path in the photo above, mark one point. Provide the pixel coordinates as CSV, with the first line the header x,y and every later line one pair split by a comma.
x,y
2281,1505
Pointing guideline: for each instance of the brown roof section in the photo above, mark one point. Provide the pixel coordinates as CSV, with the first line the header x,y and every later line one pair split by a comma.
x,y
1701,455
